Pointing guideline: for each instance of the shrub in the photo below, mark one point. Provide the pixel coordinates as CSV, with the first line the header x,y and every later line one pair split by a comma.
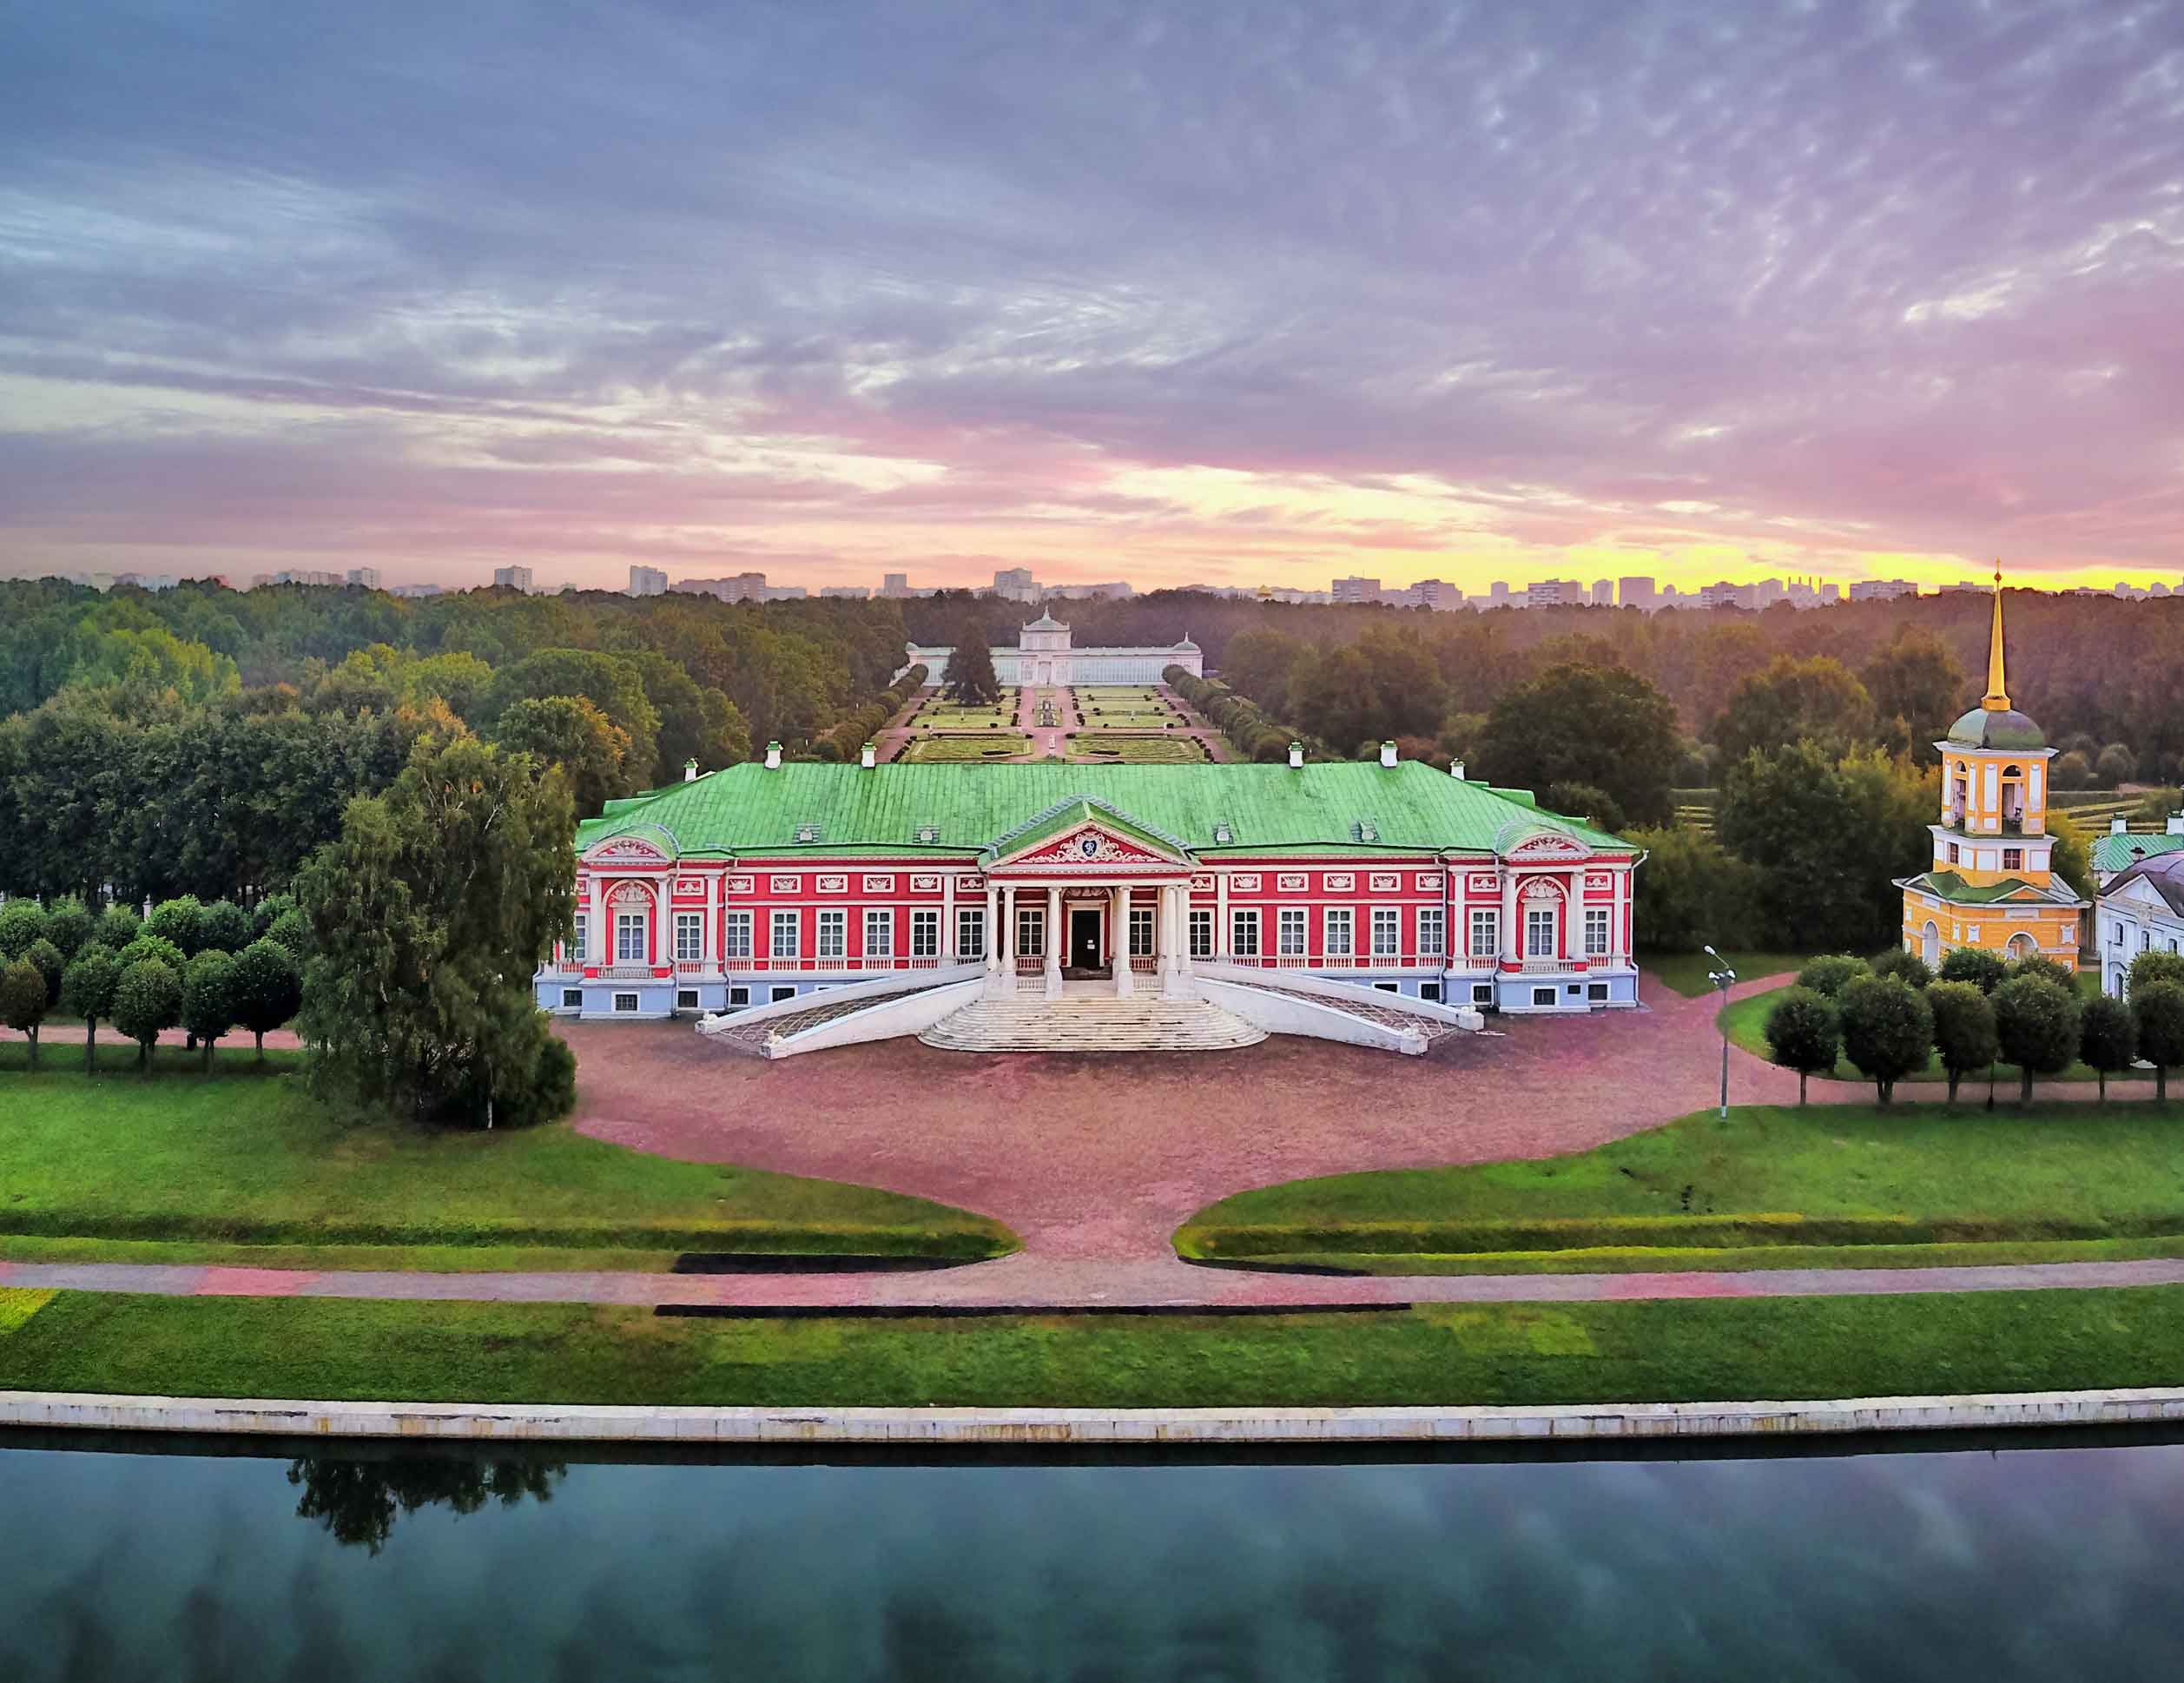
x,y
2036,1021
2150,967
117,925
1975,965
1803,1033
1596,806
68,926
208,999
1905,966
1964,1029
2117,764
226,928
87,991
148,999
22,921
153,947
1888,1031
1828,974
293,931
2072,770
2108,1038
182,921
2048,970
2158,1010
23,1003
263,913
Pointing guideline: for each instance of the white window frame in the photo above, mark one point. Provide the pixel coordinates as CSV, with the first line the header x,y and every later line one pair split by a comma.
x,y
1433,931
1241,919
1485,932
925,933
1289,932
879,920
970,932
577,948
791,921
1031,932
1200,930
626,924
1598,931
1338,928
1141,920
830,935
625,1002
1538,931
689,937
1388,932
735,941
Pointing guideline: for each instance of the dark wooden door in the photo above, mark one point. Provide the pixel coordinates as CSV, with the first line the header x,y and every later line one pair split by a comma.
x,y
1084,940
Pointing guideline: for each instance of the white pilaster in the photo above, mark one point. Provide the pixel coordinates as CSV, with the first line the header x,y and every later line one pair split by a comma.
x,y
1573,917
596,934
1512,937
1001,976
1053,941
1118,939
947,918
1221,915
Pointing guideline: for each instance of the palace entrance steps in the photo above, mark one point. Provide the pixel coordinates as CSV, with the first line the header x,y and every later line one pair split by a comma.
x,y
1094,1020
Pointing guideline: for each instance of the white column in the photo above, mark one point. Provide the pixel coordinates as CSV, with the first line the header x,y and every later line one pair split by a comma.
x,y
1119,925
947,917
664,923
1221,915
598,933
1053,941
1004,973
1512,937
1573,917
992,929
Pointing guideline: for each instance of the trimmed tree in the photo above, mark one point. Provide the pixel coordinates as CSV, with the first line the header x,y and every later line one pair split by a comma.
x,y
1905,966
208,999
268,988
1964,1029
51,966
22,921
68,925
1975,965
118,925
225,927
293,930
2108,1039
2150,968
429,917
182,921
263,913
1831,972
2158,1009
1888,1031
23,1003
2048,969
971,677
1803,1033
153,947
87,991
146,1000
2036,1021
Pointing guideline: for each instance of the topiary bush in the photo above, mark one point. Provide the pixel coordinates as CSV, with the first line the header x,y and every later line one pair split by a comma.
x,y
1830,973
2157,1010
225,927
2108,1039
182,921
1975,965
2048,970
22,921
1887,1031
2037,1022
153,947
118,925
69,924
1905,966
1964,1029
1805,1033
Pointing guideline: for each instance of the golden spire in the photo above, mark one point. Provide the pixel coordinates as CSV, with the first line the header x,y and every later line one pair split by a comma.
x,y
1996,699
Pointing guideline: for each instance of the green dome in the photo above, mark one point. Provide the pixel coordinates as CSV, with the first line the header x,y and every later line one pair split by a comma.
x,y
2006,729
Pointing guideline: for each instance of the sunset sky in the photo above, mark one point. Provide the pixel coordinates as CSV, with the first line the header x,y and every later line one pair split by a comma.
x,y
1193,291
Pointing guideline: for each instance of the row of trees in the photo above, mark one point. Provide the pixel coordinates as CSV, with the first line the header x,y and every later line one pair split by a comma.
x,y
1892,1017
1250,730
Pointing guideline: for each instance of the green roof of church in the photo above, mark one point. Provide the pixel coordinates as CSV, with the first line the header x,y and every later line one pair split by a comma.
x,y
2119,853
1341,807
2002,729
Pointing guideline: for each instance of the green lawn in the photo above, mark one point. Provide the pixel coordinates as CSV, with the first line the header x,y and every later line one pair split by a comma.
x,y
967,749
1108,749
104,1166
1747,1022
965,718
1493,1354
1687,972
1908,1184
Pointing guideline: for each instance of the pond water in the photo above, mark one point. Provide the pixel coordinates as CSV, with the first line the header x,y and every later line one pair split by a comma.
x,y
198,1561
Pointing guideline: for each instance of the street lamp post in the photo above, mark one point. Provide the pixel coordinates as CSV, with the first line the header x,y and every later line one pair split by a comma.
x,y
1723,979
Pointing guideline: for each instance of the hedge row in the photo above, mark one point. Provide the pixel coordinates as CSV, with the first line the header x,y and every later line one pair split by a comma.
x,y
1240,719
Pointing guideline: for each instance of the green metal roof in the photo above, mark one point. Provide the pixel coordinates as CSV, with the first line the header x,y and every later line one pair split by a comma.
x,y
2114,852
1947,885
1409,808
1983,728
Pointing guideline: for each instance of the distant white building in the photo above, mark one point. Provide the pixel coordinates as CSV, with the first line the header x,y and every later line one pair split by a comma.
x,y
1883,590
1016,585
1553,593
2139,911
1355,589
1636,591
1042,655
415,592
365,578
513,579
647,581
845,592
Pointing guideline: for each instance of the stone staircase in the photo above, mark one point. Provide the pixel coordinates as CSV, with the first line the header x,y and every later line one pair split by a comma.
x,y
1092,1023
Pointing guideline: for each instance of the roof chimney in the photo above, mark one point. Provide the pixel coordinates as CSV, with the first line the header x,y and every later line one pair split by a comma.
x,y
1388,754
690,771
2117,826
868,756
773,756
2176,823
1296,754
1456,771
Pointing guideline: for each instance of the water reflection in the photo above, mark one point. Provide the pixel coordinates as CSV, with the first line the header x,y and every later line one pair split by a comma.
x,y
2042,1563
356,1500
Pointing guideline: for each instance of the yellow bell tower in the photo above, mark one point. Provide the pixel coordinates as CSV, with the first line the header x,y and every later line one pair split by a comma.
x,y
1992,882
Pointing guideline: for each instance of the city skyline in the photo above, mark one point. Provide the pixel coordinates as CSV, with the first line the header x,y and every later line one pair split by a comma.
x,y
1177,296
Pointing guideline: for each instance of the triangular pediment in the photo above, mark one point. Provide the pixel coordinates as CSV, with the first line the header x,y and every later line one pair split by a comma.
x,y
1085,834
1543,845
648,844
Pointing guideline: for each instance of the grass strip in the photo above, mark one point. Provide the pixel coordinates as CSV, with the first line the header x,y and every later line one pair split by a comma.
x,y
1439,1354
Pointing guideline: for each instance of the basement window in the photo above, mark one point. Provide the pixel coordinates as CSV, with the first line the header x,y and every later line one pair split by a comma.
x,y
625,1002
